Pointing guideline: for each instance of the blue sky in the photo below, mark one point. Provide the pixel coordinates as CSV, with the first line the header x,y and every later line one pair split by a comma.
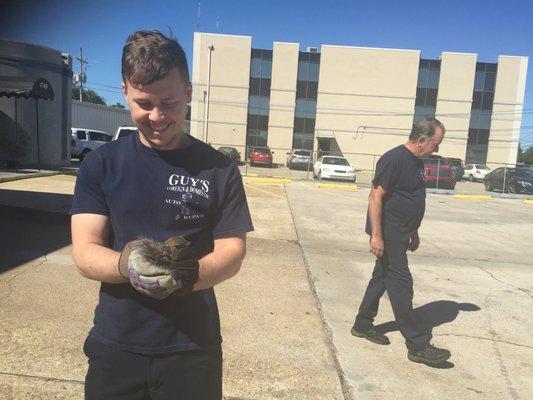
x,y
488,28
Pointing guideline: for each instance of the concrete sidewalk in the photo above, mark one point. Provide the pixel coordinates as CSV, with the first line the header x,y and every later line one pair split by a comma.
x,y
473,290
286,316
274,342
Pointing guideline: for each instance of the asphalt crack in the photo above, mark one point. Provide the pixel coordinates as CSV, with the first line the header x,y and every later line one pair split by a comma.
x,y
9,282
345,388
485,338
42,378
503,282
473,263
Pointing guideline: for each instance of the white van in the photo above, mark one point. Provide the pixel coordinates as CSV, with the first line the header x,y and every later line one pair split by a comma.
x,y
85,140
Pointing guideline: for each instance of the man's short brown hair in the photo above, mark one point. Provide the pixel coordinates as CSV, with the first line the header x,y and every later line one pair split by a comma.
x,y
426,128
148,56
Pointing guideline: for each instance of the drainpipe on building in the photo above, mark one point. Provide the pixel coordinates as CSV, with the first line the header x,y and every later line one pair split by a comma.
x,y
206,116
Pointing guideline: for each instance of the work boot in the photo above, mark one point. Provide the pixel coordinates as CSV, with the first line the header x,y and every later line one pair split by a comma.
x,y
431,355
371,334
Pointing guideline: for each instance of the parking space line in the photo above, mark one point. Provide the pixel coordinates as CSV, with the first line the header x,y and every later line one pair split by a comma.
x,y
472,197
307,186
528,201
265,191
320,190
351,187
272,180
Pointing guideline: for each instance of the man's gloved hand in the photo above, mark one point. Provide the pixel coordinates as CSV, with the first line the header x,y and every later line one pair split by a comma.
x,y
159,269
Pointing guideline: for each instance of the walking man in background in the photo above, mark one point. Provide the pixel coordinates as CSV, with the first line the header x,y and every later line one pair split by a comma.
x,y
159,218
395,210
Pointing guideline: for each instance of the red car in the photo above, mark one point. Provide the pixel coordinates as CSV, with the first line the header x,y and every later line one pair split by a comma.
x,y
438,173
261,155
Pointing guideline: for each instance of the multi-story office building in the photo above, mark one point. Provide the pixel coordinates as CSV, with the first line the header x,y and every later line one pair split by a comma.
x,y
354,101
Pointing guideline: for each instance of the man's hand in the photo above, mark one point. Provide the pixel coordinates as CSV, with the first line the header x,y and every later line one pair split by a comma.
x,y
377,246
158,269
415,241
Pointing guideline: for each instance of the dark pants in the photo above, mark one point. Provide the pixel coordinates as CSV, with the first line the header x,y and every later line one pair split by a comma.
x,y
391,273
115,374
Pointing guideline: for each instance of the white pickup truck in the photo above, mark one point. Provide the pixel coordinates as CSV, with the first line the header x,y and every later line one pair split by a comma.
x,y
124,131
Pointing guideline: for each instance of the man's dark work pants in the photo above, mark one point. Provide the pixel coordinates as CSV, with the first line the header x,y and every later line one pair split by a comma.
x,y
392,274
119,375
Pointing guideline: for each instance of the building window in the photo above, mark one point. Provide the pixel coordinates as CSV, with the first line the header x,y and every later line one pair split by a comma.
x,y
259,98
306,97
427,89
481,113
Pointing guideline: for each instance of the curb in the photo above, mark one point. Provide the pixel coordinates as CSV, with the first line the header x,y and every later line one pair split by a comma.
x,y
349,187
29,176
278,181
473,197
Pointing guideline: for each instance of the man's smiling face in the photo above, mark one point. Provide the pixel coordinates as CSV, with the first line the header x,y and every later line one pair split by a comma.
x,y
159,109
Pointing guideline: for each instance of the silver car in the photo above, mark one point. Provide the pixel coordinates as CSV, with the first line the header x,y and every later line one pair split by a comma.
x,y
299,158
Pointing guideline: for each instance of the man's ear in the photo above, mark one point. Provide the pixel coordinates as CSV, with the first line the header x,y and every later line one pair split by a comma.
x,y
420,141
125,92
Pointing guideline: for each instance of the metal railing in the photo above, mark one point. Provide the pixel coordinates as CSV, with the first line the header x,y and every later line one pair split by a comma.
x,y
439,174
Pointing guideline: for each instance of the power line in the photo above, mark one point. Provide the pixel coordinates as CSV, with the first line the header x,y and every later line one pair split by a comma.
x,y
109,86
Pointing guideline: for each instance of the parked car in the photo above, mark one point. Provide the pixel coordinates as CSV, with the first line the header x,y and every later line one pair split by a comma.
x,y
476,172
458,168
438,173
299,158
85,140
512,180
124,131
232,153
261,155
333,167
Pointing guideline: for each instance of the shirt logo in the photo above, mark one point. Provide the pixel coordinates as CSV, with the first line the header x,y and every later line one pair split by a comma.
x,y
189,189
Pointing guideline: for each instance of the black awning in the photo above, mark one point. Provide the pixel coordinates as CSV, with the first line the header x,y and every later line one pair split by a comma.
x,y
41,89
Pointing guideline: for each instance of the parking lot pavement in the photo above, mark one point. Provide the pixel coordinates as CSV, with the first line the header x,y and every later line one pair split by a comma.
x,y
364,178
274,343
286,316
473,287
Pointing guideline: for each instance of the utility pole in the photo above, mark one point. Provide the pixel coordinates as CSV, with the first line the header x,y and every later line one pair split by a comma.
x,y
82,77
198,17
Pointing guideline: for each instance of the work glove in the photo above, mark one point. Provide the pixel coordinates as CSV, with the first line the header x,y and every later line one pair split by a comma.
x,y
158,269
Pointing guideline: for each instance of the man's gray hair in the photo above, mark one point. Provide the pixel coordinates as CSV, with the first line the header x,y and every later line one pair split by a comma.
x,y
426,128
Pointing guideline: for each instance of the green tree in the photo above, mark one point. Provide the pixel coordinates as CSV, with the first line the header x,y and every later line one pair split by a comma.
x,y
89,96
527,156
520,154
118,105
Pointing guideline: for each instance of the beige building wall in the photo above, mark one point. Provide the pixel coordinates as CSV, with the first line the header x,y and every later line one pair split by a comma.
x,y
507,110
366,100
282,99
227,91
456,86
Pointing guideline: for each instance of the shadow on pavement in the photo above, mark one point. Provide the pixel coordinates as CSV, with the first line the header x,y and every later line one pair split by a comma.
x,y
28,232
432,314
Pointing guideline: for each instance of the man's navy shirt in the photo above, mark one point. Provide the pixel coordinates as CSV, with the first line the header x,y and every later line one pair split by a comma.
x,y
400,173
194,191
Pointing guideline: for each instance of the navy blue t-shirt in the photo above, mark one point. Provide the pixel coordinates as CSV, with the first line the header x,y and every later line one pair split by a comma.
x,y
400,173
195,191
